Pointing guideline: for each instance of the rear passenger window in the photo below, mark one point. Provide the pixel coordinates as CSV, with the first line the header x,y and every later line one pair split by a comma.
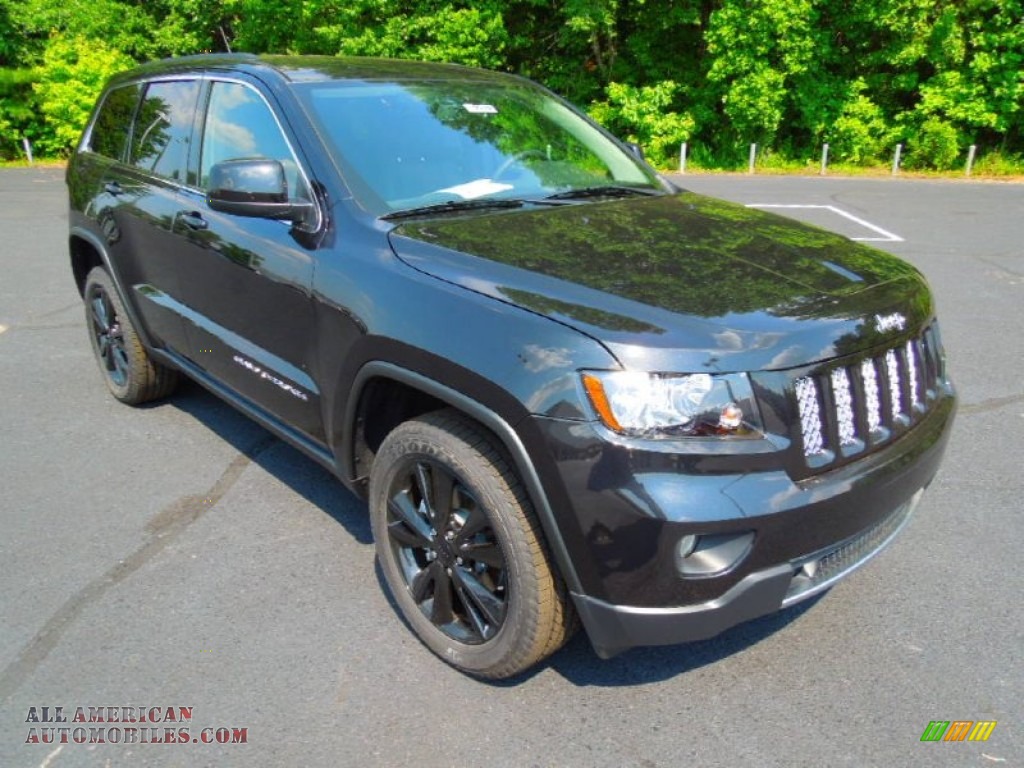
x,y
110,131
239,124
163,128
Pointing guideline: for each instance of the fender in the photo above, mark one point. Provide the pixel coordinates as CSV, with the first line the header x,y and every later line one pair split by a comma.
x,y
496,424
88,236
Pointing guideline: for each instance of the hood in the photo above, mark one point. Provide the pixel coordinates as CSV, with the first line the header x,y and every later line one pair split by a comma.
x,y
679,282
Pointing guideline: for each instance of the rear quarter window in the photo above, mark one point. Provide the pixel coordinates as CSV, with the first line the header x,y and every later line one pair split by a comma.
x,y
113,123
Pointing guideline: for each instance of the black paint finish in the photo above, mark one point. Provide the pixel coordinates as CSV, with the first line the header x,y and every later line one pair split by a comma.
x,y
495,312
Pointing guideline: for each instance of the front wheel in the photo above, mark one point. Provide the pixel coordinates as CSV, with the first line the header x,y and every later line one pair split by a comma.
x,y
461,549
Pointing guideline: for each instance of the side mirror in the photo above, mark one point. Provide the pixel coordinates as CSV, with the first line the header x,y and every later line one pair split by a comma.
x,y
256,188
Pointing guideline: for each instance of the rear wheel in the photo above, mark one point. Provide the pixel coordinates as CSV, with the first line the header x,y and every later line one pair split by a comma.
x,y
131,376
461,549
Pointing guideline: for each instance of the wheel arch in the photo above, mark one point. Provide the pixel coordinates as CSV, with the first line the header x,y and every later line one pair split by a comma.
x,y
395,394
86,251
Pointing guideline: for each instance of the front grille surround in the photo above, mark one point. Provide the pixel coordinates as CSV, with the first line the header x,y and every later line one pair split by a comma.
x,y
857,404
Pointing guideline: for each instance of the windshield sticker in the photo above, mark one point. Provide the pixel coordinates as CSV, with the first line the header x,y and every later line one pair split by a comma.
x,y
480,109
479,188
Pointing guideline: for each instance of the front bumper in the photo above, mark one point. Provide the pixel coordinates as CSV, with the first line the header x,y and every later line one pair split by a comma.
x,y
615,628
629,509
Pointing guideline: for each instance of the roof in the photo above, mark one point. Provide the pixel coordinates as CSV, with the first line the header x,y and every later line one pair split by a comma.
x,y
302,69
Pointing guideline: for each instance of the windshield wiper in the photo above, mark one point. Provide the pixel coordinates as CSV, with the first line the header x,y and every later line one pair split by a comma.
x,y
454,206
610,190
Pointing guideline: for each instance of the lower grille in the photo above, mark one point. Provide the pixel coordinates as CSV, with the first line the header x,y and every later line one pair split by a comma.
x,y
856,405
820,571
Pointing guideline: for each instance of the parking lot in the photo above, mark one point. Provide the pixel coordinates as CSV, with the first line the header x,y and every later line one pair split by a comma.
x,y
179,556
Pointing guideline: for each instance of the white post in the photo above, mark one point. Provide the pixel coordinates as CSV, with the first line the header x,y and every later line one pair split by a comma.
x,y
970,159
753,154
824,157
896,159
28,149
682,157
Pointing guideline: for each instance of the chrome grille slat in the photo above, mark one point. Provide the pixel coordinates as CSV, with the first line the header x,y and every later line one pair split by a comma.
x,y
810,416
892,372
915,395
872,402
844,406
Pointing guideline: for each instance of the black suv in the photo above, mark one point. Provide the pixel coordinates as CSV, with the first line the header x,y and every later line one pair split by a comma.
x,y
568,390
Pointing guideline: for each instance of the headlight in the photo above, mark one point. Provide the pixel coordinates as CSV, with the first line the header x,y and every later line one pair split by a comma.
x,y
669,405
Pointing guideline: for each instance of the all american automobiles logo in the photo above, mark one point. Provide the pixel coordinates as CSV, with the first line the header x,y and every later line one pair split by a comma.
x,y
124,725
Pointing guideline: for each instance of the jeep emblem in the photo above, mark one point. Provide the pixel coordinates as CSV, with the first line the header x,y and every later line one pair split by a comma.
x,y
892,322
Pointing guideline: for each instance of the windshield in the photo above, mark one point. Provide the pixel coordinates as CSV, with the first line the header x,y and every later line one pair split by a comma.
x,y
408,145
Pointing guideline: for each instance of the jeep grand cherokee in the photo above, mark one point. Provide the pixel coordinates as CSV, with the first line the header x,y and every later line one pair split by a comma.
x,y
569,391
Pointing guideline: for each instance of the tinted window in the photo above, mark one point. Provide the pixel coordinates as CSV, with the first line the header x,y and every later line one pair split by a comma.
x,y
110,131
163,128
239,124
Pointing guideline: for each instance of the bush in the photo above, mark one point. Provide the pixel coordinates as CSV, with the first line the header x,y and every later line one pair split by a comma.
x,y
72,76
936,144
642,115
18,110
860,135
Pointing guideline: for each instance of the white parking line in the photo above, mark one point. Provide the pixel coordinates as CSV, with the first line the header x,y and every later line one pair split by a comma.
x,y
3,327
886,236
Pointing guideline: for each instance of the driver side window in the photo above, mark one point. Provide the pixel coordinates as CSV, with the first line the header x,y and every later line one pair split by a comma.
x,y
240,125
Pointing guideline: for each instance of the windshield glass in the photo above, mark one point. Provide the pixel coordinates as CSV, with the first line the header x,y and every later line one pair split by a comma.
x,y
408,145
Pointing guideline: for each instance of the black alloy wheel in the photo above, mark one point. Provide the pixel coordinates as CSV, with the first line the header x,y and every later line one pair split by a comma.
x,y
448,552
108,335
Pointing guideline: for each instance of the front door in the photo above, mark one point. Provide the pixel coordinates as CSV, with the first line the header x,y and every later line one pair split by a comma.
x,y
246,282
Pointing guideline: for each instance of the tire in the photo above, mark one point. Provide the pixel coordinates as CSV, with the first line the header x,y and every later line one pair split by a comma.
x,y
461,549
131,376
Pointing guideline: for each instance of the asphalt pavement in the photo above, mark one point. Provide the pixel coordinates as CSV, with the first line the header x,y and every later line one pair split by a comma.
x,y
177,560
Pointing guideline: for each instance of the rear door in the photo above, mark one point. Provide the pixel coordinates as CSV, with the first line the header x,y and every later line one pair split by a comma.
x,y
138,177
246,282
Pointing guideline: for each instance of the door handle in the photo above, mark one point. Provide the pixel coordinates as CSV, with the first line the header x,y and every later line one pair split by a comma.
x,y
113,188
193,220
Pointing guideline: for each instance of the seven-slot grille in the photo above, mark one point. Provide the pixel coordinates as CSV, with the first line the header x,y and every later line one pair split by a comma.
x,y
852,407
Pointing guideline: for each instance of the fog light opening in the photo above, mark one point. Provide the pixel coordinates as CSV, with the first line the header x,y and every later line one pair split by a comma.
x,y
685,547
712,555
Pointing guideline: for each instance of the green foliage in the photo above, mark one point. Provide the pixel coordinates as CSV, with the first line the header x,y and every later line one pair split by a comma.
x,y
463,36
73,74
860,135
935,144
937,75
644,115
392,28
18,109
759,49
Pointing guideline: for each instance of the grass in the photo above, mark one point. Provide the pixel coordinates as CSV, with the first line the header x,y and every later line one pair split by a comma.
x,y
39,162
991,167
